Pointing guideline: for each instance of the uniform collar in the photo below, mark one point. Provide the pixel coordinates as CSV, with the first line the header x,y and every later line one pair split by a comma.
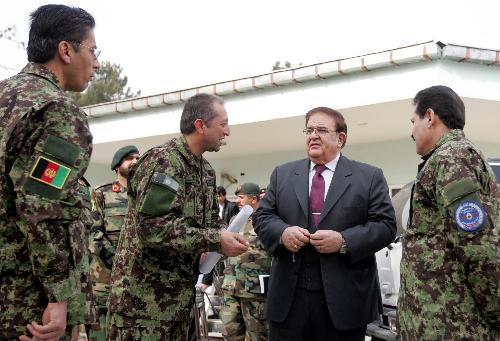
x,y
452,135
188,155
41,71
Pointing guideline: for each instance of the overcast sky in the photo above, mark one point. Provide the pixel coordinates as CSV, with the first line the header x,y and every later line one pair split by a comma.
x,y
170,45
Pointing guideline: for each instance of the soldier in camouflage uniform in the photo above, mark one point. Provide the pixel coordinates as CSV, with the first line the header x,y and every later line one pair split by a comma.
x,y
243,311
45,147
81,309
450,267
110,208
172,218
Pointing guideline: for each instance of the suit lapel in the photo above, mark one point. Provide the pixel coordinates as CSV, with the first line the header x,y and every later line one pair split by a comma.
x,y
225,212
340,183
301,185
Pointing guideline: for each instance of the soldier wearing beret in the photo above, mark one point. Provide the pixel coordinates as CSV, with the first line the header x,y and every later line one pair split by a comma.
x,y
450,267
244,296
172,218
45,147
110,208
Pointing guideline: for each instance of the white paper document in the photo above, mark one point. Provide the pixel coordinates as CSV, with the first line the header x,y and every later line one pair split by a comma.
x,y
235,226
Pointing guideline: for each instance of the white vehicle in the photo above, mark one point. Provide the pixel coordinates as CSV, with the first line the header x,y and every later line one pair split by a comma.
x,y
388,261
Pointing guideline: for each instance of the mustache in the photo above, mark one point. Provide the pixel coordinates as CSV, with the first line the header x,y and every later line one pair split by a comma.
x,y
413,138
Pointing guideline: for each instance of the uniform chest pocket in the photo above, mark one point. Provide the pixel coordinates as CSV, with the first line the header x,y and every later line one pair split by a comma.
x,y
252,282
115,211
114,223
192,193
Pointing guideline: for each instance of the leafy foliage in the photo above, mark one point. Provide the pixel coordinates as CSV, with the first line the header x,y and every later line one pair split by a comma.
x,y
9,33
277,65
108,85
286,65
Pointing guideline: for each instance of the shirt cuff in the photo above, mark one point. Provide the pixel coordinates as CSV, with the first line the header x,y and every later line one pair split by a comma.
x,y
213,239
58,291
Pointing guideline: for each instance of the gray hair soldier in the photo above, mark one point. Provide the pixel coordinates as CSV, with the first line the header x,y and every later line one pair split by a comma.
x,y
172,218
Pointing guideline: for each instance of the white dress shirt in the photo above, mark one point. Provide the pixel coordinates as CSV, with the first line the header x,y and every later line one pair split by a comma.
x,y
327,173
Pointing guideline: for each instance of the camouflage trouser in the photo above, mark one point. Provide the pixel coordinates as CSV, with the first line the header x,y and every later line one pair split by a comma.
x,y
243,319
76,333
98,333
168,331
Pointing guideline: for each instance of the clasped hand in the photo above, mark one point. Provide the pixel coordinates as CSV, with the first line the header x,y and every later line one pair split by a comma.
x,y
295,238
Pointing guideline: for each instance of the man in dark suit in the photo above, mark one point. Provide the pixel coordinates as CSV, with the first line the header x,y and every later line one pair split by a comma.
x,y
322,219
228,208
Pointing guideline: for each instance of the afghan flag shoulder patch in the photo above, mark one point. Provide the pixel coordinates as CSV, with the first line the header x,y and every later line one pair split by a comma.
x,y
50,172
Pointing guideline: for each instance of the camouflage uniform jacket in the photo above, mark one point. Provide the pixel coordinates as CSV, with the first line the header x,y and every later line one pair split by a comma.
x,y
110,208
45,147
450,269
241,274
81,309
166,230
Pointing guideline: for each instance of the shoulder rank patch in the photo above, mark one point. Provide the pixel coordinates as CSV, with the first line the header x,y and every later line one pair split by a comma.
x,y
116,187
469,216
166,181
50,172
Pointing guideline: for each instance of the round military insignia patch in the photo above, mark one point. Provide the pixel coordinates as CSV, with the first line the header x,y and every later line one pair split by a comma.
x,y
469,216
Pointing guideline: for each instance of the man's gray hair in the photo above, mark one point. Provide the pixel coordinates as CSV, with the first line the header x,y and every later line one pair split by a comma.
x,y
198,107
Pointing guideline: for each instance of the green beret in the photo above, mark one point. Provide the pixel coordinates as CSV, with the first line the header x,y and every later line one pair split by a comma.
x,y
248,188
121,153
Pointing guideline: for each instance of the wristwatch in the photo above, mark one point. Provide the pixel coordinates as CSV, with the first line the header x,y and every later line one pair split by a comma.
x,y
343,248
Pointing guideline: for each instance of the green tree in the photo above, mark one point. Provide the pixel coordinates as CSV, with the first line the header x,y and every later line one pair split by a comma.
x,y
108,85
277,65
9,34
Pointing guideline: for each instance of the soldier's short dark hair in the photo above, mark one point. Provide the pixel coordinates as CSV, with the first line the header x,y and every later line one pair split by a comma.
x,y
51,24
340,124
445,102
198,106
221,191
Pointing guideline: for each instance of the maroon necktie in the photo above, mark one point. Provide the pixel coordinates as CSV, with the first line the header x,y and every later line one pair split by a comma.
x,y
317,195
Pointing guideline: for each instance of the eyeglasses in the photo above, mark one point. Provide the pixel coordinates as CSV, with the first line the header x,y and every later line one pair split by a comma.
x,y
319,130
95,52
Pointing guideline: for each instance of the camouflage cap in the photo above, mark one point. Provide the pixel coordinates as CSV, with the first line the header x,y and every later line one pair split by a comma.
x,y
121,153
248,188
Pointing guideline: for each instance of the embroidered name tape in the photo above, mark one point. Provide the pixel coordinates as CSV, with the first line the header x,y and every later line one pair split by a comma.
x,y
50,172
469,216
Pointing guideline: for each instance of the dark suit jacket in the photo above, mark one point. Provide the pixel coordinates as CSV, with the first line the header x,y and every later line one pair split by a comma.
x,y
229,210
358,206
